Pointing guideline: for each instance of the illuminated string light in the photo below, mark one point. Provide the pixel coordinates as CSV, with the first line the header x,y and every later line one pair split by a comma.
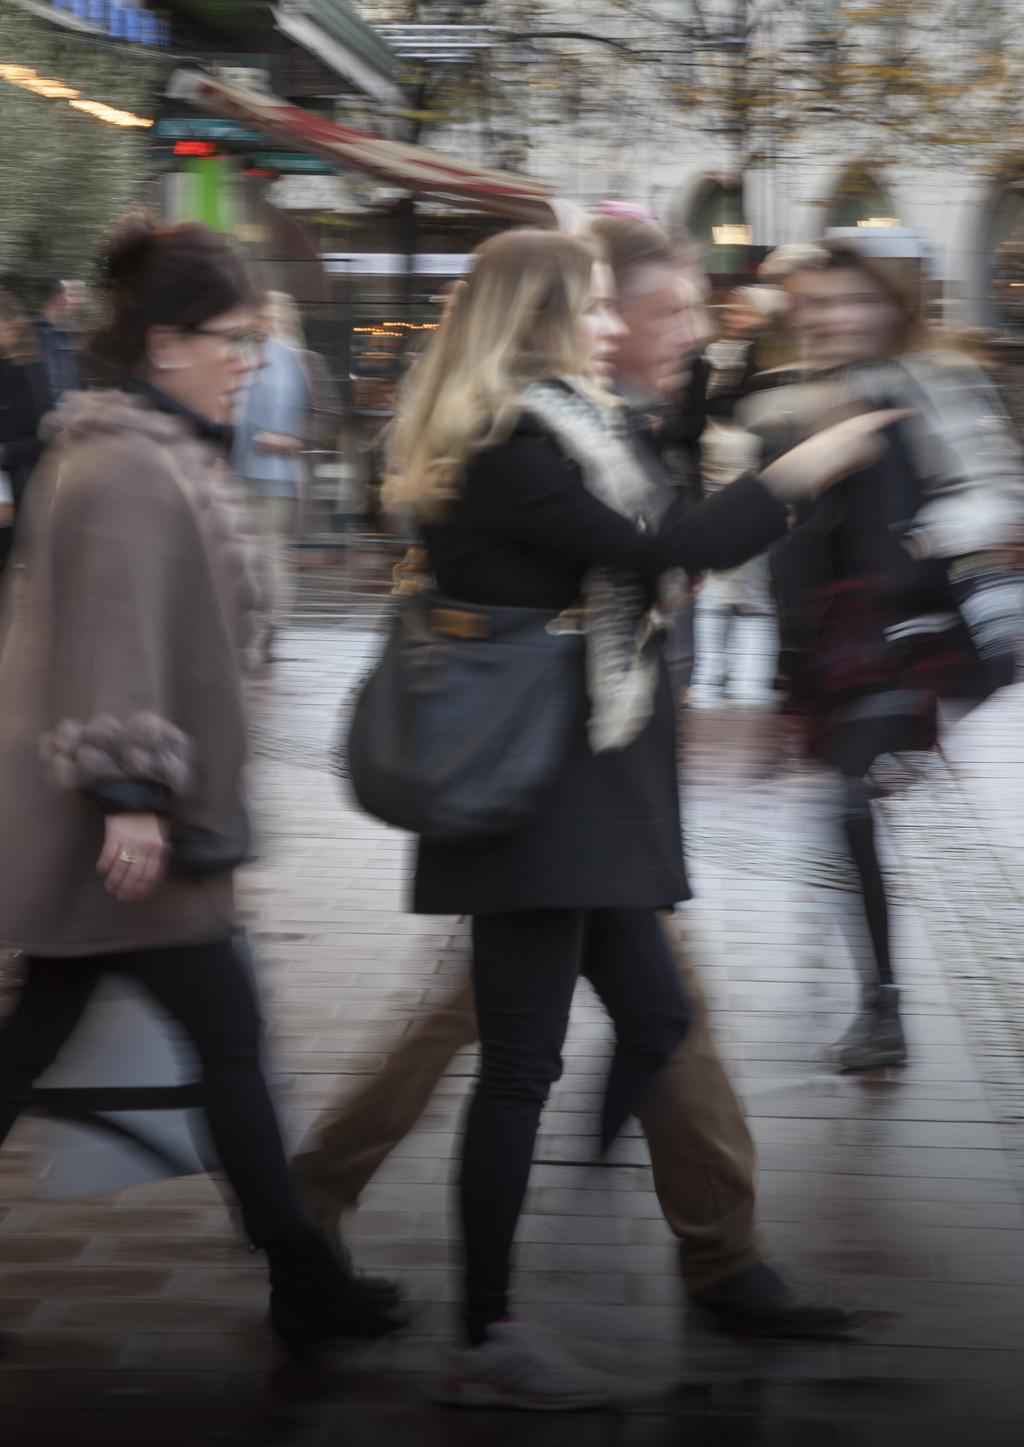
x,y
26,78
110,114
391,329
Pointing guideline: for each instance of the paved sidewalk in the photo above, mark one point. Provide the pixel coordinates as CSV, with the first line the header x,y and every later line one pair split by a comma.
x,y
137,1319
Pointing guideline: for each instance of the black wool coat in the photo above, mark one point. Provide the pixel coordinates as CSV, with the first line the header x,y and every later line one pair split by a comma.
x,y
523,532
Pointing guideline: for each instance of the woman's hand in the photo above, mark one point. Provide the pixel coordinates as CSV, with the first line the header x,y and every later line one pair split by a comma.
x,y
134,858
817,463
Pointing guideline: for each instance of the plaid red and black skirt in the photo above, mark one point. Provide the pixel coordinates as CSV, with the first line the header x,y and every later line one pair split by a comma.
x,y
873,658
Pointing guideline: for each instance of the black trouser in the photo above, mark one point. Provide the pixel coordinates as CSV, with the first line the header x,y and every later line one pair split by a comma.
x,y
525,967
207,990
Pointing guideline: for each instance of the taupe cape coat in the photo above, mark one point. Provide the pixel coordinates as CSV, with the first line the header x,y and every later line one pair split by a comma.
x,y
121,627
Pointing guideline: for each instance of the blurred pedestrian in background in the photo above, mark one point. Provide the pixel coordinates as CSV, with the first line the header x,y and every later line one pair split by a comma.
x,y
25,399
530,496
62,308
122,735
901,582
735,632
324,412
271,435
701,1150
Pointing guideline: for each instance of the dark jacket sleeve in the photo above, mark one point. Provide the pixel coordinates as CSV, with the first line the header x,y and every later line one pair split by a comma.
x,y
28,403
728,528
686,417
529,492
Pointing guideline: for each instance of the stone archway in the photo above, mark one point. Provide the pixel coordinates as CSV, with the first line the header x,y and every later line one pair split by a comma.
x,y
713,212
860,197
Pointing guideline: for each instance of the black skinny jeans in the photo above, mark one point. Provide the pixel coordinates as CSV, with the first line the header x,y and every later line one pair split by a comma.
x,y
207,990
525,968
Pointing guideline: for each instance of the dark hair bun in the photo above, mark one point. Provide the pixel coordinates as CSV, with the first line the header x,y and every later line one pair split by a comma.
x,y
163,276
128,248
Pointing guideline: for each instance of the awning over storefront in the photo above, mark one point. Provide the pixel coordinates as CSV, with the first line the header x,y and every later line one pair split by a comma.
x,y
411,168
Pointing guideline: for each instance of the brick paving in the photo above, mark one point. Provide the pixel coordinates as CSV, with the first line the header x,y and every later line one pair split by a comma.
x,y
137,1318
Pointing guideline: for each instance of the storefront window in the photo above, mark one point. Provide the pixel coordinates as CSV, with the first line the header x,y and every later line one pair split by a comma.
x,y
862,201
1007,252
719,222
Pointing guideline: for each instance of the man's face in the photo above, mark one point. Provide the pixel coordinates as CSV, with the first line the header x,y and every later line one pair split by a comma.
x,y
662,309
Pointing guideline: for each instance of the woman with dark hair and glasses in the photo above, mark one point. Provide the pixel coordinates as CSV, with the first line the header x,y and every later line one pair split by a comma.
x,y
122,736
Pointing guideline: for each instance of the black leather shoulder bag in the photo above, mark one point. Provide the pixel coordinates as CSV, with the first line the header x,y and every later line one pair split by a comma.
x,y
462,728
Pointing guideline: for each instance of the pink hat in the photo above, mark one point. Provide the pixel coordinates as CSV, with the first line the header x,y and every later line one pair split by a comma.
x,y
629,209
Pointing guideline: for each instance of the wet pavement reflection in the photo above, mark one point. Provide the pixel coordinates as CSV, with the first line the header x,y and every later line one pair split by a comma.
x,y
137,1319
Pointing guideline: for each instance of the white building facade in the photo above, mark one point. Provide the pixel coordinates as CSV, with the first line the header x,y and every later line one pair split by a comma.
x,y
758,122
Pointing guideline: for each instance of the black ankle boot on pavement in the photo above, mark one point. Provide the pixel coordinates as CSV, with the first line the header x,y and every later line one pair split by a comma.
x,y
316,1298
876,1036
758,1302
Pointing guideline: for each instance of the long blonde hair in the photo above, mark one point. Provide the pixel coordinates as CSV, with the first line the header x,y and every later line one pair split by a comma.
x,y
515,322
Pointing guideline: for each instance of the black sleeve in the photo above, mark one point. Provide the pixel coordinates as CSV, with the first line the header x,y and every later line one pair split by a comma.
x,y
25,447
686,417
128,796
527,491
731,526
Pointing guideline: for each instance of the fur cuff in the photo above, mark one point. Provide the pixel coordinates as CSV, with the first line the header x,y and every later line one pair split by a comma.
x,y
143,747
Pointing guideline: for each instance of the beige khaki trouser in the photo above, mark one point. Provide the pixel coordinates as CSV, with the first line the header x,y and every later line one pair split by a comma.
x,y
702,1154
273,521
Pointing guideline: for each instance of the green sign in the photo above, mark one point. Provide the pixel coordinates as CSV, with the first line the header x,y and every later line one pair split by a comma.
x,y
207,197
291,163
206,128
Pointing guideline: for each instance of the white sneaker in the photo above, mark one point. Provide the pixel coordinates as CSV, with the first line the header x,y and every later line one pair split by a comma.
x,y
523,1367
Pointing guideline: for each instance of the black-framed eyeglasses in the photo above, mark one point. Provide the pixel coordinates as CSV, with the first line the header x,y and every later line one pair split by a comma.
x,y
242,341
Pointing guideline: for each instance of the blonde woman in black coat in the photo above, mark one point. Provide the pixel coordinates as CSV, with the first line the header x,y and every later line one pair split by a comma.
x,y
512,456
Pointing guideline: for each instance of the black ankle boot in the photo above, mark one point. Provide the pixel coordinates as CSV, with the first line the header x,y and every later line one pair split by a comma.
x,y
315,1298
876,1036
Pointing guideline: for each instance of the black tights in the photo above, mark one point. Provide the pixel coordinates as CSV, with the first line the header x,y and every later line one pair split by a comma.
x,y
525,968
852,748
859,828
207,990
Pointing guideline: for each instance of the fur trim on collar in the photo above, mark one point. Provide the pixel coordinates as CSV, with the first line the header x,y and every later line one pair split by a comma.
x,y
83,414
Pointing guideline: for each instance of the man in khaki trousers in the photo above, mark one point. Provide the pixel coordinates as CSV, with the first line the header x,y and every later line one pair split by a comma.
x,y
702,1154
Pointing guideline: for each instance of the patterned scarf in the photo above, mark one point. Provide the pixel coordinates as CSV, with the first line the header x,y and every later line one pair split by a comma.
x,y
619,626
